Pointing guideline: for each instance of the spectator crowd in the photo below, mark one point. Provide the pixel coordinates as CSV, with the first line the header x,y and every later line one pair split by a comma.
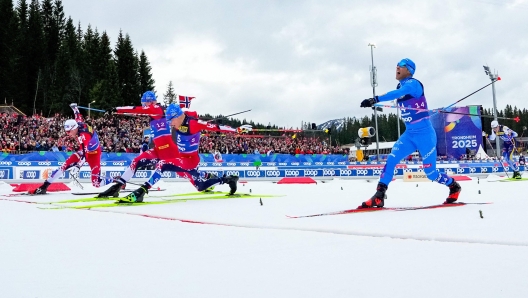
x,y
125,134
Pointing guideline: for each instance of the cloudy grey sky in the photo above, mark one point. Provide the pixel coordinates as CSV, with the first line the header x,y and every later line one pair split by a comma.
x,y
291,61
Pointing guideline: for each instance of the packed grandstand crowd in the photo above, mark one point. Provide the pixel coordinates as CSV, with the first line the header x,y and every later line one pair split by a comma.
x,y
125,134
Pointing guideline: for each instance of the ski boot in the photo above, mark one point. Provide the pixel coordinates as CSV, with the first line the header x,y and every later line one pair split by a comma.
x,y
516,175
41,190
209,190
135,197
378,199
112,191
232,182
454,191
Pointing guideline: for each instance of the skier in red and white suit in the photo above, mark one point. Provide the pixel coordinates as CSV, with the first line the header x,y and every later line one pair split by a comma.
x,y
90,150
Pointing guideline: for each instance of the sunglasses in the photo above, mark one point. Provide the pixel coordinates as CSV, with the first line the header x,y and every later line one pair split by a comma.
x,y
404,64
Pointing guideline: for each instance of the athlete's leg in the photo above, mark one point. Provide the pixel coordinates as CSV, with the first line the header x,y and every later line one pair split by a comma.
x,y
401,149
426,143
72,161
144,159
93,158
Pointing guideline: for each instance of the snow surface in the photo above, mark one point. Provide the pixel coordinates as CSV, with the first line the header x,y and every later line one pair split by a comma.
x,y
246,249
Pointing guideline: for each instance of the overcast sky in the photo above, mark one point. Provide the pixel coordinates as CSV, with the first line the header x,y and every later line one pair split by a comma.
x,y
293,61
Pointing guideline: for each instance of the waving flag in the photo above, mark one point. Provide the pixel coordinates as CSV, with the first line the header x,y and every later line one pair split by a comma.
x,y
185,101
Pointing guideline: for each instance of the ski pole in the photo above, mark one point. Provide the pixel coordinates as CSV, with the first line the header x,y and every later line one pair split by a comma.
x,y
516,119
498,158
438,110
76,182
91,109
227,116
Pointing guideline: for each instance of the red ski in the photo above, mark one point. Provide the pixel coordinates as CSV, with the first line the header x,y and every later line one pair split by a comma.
x,y
361,210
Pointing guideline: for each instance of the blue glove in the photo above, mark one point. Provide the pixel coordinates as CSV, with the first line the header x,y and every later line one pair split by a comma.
x,y
369,102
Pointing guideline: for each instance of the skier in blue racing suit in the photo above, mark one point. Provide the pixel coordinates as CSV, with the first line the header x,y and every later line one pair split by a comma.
x,y
419,134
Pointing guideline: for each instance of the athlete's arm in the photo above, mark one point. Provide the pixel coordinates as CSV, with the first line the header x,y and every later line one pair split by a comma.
x,y
198,125
410,87
155,111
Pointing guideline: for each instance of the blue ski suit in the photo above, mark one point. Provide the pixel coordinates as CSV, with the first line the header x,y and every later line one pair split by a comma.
x,y
419,134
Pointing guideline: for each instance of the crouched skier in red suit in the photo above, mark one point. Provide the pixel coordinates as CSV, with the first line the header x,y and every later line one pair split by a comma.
x,y
164,146
188,129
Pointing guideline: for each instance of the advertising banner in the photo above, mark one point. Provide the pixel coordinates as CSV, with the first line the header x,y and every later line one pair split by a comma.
x,y
458,133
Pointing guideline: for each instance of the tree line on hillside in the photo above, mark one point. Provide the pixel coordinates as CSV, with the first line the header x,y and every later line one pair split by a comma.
x,y
48,62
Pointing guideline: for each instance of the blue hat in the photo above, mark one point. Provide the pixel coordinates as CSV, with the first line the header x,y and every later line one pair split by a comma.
x,y
409,64
173,111
148,96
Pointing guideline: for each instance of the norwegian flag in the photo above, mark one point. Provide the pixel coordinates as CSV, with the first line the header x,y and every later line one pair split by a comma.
x,y
185,101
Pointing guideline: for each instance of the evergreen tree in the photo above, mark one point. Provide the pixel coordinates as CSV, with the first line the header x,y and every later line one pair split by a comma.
x,y
169,96
90,48
35,50
126,65
53,26
8,31
146,82
68,56
22,97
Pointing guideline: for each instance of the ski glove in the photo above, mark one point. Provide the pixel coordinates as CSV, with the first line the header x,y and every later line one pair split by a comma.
x,y
369,102
74,171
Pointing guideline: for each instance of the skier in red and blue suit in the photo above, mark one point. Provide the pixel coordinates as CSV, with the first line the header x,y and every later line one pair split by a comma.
x,y
164,146
185,164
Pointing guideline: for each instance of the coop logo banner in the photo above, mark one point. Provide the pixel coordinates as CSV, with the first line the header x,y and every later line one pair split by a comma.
x,y
142,174
328,172
292,173
240,174
255,174
114,174
5,173
313,173
168,174
34,163
31,174
274,174
85,175
364,172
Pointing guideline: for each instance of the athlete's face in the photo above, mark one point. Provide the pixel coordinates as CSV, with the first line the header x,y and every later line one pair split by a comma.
x,y
402,73
146,104
496,129
73,132
177,122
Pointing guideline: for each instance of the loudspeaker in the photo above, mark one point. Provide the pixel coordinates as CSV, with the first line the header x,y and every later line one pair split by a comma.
x,y
314,127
